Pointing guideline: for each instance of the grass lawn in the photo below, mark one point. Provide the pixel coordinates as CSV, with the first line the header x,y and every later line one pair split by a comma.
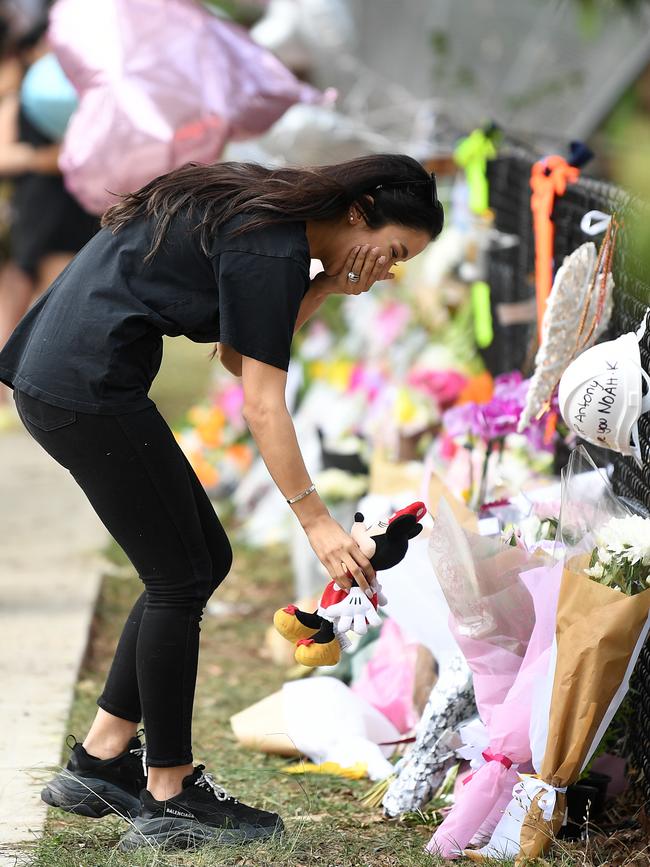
x,y
184,377
326,823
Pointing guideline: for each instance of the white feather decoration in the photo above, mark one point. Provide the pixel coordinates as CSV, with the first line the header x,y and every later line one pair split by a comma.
x,y
560,341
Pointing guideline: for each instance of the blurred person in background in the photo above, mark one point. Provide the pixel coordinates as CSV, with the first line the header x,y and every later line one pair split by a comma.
x,y
216,253
47,225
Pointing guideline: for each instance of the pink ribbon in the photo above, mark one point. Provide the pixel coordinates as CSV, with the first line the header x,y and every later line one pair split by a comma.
x,y
489,756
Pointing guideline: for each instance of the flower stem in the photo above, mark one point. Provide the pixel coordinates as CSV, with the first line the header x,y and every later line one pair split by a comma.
x,y
482,491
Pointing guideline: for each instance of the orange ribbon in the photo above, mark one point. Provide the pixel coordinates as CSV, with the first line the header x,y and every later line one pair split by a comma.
x,y
548,178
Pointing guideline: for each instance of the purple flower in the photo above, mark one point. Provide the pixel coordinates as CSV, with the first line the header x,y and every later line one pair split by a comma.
x,y
499,417
507,382
464,420
503,412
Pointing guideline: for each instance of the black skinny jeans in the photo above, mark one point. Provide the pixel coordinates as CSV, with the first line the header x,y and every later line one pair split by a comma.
x,y
147,495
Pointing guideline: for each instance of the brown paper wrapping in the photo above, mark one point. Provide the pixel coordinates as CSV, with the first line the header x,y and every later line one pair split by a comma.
x,y
537,834
262,727
596,633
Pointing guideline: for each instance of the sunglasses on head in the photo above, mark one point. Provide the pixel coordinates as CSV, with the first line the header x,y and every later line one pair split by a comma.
x,y
423,189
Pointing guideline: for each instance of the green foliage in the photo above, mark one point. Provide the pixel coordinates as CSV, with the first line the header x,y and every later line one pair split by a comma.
x,y
238,10
623,5
591,13
440,42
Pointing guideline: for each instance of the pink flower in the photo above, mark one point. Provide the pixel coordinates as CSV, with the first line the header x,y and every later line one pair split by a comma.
x,y
447,446
547,509
391,322
443,386
231,401
367,379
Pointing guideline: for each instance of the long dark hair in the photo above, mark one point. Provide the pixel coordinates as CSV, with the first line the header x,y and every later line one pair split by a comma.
x,y
387,188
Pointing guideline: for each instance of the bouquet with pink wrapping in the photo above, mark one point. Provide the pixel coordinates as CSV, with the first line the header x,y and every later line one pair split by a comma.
x,y
161,83
502,615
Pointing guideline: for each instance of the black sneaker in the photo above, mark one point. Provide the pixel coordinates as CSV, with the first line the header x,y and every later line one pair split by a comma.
x,y
203,812
97,787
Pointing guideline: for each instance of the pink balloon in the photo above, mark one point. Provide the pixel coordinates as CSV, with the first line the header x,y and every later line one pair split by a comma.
x,y
161,83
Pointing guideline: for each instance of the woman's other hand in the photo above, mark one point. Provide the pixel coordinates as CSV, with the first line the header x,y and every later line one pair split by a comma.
x,y
45,159
370,264
17,157
340,555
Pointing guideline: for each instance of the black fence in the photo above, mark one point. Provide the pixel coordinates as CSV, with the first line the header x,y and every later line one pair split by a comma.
x,y
512,283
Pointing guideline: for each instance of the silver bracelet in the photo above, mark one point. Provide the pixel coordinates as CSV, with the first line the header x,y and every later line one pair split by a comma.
x,y
301,495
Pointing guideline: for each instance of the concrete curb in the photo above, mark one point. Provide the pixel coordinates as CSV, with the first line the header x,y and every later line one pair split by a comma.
x,y
50,575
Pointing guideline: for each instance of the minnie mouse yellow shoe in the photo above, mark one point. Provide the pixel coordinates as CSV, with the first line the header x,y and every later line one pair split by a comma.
x,y
312,653
294,624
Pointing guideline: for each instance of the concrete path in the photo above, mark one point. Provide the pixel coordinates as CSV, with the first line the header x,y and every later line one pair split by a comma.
x,y
49,578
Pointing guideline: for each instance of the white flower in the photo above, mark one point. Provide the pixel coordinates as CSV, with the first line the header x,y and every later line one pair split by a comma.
x,y
336,485
528,530
626,539
596,571
604,556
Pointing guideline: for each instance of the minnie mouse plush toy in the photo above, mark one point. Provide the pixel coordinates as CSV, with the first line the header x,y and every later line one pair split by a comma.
x,y
320,636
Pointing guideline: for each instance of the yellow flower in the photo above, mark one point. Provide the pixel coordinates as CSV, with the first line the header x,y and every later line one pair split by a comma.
x,y
210,427
339,374
405,407
356,772
197,414
336,373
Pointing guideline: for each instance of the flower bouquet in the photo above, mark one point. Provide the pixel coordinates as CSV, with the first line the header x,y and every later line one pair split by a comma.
x,y
506,640
602,624
508,731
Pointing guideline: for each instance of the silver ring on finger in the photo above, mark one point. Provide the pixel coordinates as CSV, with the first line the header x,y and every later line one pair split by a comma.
x,y
352,277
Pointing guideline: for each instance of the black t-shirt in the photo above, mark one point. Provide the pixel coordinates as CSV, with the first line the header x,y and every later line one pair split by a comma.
x,y
93,342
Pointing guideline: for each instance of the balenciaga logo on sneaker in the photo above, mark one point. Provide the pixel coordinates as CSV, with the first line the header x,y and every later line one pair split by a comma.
x,y
179,813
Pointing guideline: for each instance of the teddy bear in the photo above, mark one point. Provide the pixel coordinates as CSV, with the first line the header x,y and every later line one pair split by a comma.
x,y
320,636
